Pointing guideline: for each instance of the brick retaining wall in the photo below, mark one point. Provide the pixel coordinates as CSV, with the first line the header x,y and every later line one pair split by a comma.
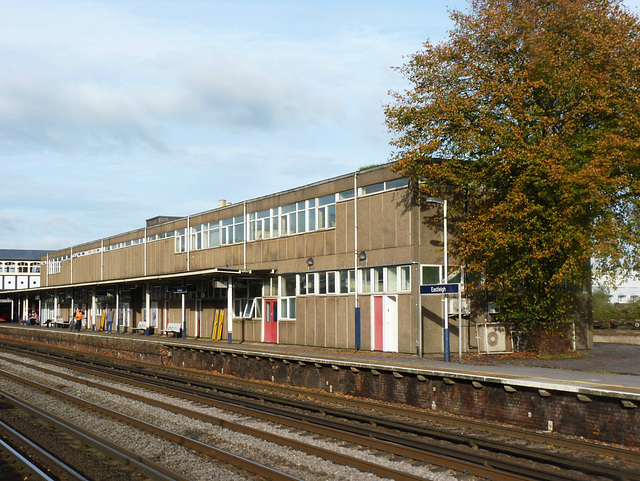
x,y
607,417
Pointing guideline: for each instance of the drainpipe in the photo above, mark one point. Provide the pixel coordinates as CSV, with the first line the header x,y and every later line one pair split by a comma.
x,y
145,250
102,260
184,315
117,316
230,310
355,260
147,305
93,309
244,254
419,341
187,241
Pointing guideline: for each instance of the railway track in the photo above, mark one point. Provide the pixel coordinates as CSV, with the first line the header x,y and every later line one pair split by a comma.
x,y
362,424
48,447
22,459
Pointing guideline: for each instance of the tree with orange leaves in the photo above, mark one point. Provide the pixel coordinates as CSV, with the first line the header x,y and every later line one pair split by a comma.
x,y
529,116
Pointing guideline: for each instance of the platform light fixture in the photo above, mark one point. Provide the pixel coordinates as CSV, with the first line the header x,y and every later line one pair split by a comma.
x,y
362,256
310,261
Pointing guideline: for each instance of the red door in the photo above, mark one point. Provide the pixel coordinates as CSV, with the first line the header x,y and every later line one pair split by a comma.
x,y
270,320
378,317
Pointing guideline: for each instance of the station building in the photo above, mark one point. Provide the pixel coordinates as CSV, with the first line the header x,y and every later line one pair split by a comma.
x,y
334,264
19,270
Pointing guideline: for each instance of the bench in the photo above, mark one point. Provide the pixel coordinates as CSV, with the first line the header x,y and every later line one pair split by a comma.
x,y
60,322
173,327
143,327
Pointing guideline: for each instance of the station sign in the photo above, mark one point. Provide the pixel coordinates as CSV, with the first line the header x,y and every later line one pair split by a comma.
x,y
440,289
180,290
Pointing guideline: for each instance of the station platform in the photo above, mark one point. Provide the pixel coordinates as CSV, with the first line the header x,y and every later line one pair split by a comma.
x,y
605,368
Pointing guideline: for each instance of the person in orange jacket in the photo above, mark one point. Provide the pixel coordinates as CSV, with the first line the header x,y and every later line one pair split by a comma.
x,y
79,314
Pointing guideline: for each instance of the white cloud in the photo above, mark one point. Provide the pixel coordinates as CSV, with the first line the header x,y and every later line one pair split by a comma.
x,y
112,112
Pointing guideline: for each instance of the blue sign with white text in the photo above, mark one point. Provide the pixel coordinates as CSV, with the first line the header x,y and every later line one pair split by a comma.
x,y
440,289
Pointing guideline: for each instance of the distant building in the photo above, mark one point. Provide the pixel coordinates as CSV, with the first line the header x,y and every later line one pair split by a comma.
x,y
628,291
19,269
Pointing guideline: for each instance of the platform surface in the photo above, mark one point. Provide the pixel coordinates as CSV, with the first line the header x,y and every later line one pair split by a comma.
x,y
606,369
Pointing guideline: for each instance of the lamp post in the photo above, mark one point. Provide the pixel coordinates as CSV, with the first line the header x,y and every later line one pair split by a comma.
x,y
447,349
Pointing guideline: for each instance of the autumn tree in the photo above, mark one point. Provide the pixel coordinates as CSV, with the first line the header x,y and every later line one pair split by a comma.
x,y
529,116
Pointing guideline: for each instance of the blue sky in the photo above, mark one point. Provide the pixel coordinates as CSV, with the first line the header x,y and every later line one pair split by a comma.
x,y
113,112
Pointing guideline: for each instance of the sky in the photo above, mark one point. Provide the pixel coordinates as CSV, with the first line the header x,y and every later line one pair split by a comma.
x,y
116,111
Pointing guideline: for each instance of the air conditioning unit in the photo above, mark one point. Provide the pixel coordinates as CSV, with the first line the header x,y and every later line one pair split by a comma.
x,y
454,306
493,337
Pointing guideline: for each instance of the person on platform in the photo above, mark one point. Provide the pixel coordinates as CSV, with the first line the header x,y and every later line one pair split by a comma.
x,y
109,319
79,314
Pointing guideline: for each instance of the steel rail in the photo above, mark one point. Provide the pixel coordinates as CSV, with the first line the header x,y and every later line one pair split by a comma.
x,y
221,455
332,456
528,435
363,404
144,466
462,460
436,458
47,461
555,459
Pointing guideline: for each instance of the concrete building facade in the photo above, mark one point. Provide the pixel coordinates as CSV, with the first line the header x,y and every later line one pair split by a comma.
x,y
335,264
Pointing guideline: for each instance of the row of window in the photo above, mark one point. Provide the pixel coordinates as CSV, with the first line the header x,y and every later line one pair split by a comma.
x,y
372,280
295,218
298,217
22,267
121,245
54,267
248,293
622,299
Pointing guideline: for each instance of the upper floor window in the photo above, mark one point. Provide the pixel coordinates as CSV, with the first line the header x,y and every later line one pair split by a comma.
x,y
261,224
233,230
196,236
382,186
181,240
54,267
211,234
327,211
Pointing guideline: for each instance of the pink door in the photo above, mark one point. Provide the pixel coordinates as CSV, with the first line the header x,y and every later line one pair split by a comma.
x,y
378,318
270,320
